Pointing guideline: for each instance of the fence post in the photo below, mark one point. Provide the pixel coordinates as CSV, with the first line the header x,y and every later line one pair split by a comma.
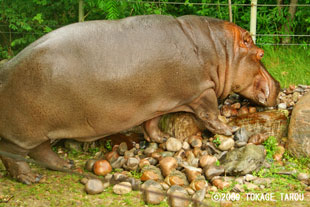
x,y
230,11
81,11
253,19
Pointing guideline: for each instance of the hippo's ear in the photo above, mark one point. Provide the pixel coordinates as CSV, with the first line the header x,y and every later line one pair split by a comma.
x,y
261,89
246,40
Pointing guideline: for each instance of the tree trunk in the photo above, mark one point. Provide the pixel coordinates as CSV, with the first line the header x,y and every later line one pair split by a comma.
x,y
81,10
290,18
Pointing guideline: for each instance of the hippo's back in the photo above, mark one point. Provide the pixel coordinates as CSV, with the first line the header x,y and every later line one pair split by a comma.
x,y
96,78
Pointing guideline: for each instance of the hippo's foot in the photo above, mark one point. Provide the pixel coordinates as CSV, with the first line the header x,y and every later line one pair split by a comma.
x,y
152,133
45,155
218,127
19,170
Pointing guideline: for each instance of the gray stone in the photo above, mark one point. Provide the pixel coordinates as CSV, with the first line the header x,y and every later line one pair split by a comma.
x,y
122,188
242,135
251,186
131,164
94,186
153,192
226,144
175,193
213,171
238,188
135,183
198,197
90,164
118,163
263,181
173,144
245,160
122,148
299,128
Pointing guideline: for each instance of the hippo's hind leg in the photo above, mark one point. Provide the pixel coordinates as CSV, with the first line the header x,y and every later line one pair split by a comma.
x,y
152,131
18,169
44,154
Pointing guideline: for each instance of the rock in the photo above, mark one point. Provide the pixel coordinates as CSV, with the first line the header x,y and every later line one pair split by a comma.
x,y
304,177
173,144
226,144
111,156
151,173
118,177
175,193
236,105
271,123
226,203
122,148
153,192
251,186
144,162
240,180
167,154
220,184
190,191
282,106
243,110
252,109
263,181
135,183
198,197
164,185
192,172
94,186
108,177
102,167
238,188
195,141
150,149
118,163
176,178
228,111
249,177
73,145
279,153
199,183
207,160
122,188
240,144
84,180
242,135
299,128
186,146
213,171
131,164
242,161
180,125
167,165
90,164
258,139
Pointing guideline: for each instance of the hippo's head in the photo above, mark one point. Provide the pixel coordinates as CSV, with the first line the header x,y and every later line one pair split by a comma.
x,y
251,79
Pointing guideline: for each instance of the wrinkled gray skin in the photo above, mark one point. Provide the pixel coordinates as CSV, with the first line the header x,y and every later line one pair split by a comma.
x,y
89,80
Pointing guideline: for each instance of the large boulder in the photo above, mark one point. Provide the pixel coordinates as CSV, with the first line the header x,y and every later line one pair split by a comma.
x,y
245,160
299,129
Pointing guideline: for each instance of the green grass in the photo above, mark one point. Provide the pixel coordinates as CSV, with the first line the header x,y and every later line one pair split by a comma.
x,y
288,64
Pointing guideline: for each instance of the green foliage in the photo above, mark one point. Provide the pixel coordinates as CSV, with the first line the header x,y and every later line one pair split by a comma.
x,y
108,145
216,141
136,174
23,21
271,146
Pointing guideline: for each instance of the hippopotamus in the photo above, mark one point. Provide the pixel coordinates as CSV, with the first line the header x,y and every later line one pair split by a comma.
x,y
88,80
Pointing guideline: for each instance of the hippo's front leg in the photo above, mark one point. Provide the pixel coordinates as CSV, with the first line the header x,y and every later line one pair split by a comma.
x,y
205,108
